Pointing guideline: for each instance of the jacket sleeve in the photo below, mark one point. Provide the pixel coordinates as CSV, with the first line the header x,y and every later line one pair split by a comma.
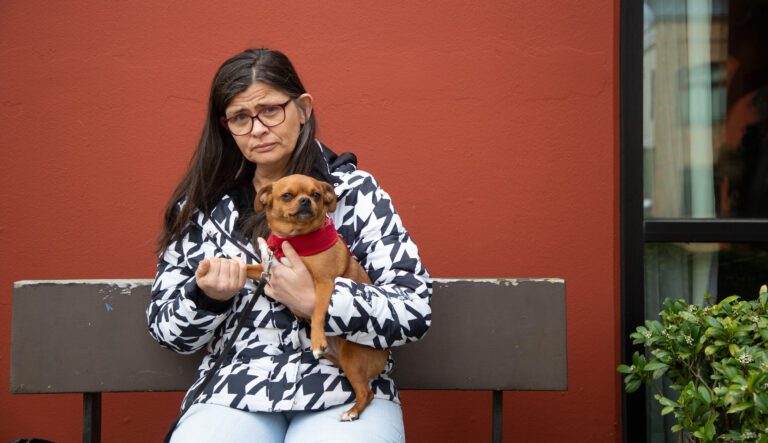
x,y
395,309
180,316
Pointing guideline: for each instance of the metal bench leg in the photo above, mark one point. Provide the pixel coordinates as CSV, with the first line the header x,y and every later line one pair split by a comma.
x,y
92,417
498,409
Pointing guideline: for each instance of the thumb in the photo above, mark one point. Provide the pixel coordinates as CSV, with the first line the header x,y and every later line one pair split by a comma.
x,y
203,268
263,249
290,254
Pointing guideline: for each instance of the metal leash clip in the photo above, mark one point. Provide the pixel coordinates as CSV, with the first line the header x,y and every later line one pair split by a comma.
x,y
265,275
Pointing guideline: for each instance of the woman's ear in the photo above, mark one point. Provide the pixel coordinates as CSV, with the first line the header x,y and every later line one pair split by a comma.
x,y
263,198
305,102
329,197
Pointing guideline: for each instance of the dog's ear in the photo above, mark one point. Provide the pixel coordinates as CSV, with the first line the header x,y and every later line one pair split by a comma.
x,y
329,197
263,198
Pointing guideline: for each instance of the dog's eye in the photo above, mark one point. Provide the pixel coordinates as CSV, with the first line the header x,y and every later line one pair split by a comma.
x,y
286,197
315,195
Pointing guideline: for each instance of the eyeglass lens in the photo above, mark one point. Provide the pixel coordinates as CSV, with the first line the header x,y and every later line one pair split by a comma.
x,y
269,116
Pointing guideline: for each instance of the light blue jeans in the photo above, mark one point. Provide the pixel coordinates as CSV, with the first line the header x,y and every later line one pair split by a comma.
x,y
381,422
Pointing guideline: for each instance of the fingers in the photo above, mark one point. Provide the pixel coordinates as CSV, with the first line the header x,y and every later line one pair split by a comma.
x,y
219,269
221,278
242,272
202,269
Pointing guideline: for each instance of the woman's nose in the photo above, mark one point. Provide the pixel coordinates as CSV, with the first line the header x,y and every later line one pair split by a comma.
x,y
258,127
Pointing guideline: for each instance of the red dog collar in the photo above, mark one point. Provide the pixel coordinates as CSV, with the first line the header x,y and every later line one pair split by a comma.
x,y
307,244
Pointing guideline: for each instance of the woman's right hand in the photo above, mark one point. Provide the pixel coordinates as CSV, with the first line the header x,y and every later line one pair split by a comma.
x,y
221,278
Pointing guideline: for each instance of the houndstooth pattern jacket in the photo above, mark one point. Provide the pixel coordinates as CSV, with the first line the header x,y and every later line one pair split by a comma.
x,y
271,366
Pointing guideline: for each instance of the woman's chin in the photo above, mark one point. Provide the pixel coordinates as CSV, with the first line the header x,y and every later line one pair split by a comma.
x,y
274,157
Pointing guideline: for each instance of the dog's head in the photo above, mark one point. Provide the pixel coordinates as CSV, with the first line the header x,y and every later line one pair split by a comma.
x,y
296,204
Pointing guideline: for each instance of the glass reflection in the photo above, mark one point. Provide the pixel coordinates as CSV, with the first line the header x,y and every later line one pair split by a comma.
x,y
705,117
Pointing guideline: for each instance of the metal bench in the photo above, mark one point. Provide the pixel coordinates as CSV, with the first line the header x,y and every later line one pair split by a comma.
x,y
90,337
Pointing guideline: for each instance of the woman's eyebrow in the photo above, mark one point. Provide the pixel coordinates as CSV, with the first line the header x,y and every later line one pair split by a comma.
x,y
259,104
235,110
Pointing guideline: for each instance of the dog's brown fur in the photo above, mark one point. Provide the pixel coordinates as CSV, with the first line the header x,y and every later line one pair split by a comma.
x,y
287,218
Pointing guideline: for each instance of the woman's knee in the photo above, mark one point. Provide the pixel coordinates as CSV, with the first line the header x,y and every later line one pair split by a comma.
x,y
215,423
381,422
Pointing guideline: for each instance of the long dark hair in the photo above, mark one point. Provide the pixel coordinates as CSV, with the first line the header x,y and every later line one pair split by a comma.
x,y
217,165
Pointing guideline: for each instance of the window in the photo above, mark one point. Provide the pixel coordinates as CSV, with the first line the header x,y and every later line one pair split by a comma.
x,y
694,163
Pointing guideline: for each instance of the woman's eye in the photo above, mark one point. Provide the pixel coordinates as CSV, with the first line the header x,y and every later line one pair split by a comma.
x,y
315,195
240,118
270,110
286,197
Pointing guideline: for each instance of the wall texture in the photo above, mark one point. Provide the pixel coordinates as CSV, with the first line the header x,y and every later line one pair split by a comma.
x,y
492,126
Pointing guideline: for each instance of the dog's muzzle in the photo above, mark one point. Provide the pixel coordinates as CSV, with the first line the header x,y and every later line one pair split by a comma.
x,y
305,209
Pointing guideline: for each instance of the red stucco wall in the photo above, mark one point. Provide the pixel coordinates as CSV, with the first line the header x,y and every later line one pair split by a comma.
x,y
492,126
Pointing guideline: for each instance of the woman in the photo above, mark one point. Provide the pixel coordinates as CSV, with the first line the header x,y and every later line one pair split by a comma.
x,y
260,127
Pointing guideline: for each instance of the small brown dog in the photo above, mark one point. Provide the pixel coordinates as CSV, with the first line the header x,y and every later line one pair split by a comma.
x,y
296,210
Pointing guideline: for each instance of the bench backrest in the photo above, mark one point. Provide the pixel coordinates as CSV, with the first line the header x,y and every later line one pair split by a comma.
x,y
91,336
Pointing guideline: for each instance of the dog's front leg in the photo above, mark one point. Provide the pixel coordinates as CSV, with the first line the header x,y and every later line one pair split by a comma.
x,y
254,271
323,292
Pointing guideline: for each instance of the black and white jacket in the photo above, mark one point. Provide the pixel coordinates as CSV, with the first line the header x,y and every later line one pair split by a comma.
x,y
271,367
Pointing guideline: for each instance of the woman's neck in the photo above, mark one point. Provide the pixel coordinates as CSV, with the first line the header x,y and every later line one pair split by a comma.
x,y
262,176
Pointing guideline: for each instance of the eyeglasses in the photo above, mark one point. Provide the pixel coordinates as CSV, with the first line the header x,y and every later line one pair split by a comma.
x,y
269,116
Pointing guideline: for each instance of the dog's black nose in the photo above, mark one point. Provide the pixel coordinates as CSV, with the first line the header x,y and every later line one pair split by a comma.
x,y
305,202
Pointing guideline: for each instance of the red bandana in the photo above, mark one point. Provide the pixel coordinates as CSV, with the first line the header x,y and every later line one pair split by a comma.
x,y
307,244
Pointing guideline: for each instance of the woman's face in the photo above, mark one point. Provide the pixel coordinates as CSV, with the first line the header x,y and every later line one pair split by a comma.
x,y
269,148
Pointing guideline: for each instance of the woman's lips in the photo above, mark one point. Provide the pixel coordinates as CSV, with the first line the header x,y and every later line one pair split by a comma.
x,y
264,147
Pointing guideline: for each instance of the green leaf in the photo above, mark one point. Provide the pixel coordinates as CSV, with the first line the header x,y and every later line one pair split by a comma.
x,y
654,365
761,402
664,401
739,407
633,386
713,323
667,410
730,371
727,300
705,394
659,372
687,316
709,430
624,369
677,428
711,349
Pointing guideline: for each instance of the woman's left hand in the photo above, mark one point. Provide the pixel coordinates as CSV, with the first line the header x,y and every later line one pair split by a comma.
x,y
291,283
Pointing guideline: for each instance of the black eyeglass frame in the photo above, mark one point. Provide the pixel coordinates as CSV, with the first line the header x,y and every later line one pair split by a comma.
x,y
225,121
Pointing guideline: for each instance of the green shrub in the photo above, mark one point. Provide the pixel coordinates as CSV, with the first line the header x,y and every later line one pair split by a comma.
x,y
716,357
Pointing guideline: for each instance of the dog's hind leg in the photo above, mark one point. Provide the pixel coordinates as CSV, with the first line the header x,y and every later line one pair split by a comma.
x,y
356,369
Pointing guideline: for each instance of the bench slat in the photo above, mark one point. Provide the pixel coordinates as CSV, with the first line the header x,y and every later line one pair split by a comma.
x,y
91,336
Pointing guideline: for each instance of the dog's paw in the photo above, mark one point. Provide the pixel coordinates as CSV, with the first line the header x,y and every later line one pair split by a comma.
x,y
318,353
349,416
319,347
